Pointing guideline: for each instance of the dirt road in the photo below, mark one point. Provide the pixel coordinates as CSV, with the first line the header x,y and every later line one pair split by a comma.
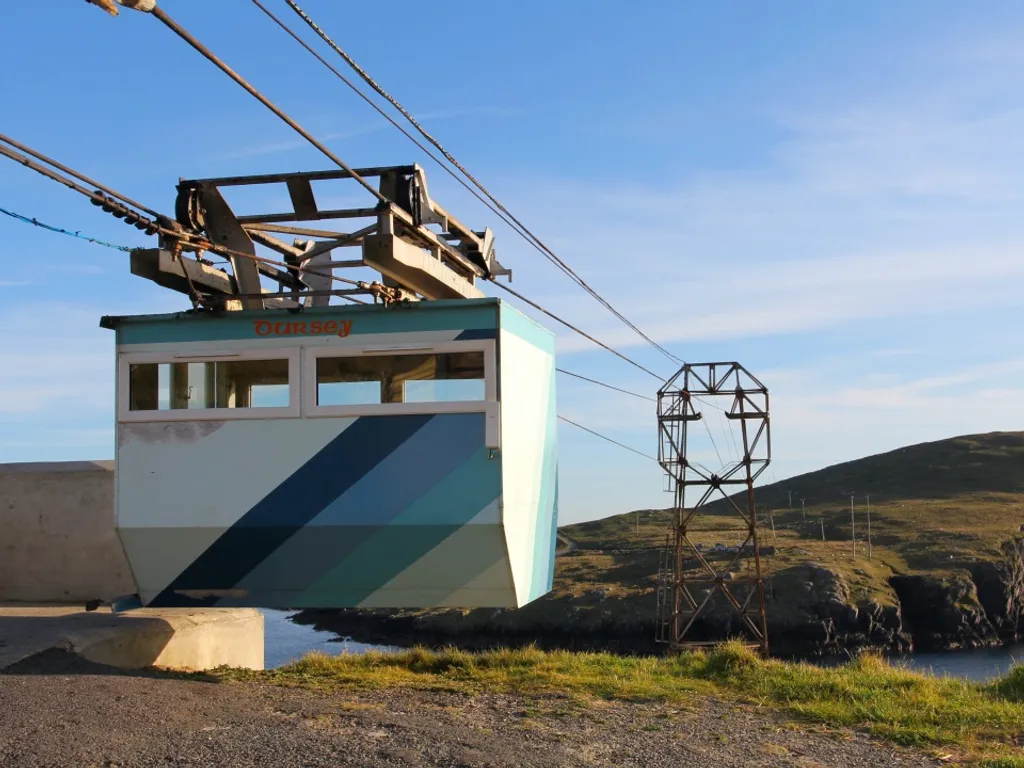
x,y
56,710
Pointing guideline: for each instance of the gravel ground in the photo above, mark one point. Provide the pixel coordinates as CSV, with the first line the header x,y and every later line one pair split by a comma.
x,y
57,710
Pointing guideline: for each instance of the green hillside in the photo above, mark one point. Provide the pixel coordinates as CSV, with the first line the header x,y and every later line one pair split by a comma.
x,y
935,507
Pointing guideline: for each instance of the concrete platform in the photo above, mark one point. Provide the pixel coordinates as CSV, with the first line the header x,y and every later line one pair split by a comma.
x,y
183,639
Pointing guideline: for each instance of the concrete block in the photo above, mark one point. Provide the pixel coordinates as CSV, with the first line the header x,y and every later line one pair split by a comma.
x,y
57,537
181,639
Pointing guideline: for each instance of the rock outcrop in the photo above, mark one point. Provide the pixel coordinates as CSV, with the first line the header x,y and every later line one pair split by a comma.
x,y
1000,588
943,613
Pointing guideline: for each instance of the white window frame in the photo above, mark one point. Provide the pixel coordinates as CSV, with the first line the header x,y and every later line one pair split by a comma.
x,y
488,406
127,359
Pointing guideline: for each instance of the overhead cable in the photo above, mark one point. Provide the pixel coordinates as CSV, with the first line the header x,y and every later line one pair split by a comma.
x,y
209,55
129,249
426,150
76,174
185,35
603,384
160,225
605,437
582,333
51,228
383,113
713,443
521,228
17,157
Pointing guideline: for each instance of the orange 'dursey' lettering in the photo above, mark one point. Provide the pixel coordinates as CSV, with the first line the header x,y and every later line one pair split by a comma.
x,y
300,328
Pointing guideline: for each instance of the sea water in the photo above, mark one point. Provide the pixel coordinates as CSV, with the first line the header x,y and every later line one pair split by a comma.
x,y
285,641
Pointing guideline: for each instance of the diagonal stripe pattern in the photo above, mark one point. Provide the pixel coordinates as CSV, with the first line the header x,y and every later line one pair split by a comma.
x,y
290,506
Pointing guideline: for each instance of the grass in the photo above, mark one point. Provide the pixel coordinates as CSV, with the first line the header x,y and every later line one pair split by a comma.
x,y
980,722
960,496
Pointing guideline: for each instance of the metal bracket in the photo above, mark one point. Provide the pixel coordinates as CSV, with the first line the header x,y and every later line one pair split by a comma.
x,y
117,604
414,243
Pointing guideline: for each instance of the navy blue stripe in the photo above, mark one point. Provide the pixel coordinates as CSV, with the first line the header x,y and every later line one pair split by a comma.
x,y
477,333
285,510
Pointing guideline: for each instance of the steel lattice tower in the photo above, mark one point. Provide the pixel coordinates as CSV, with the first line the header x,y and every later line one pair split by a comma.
x,y
680,600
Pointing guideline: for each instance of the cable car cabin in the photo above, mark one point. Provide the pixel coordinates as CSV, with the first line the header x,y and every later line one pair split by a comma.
x,y
340,456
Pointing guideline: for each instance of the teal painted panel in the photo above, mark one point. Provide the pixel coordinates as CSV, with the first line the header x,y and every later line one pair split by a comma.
x,y
384,494
472,486
479,551
419,598
277,324
515,322
393,549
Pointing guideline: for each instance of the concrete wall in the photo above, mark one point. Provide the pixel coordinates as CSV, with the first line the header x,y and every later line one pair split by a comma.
x,y
57,539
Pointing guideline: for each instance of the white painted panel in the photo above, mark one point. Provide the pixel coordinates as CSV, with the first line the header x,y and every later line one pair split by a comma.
x,y
208,474
525,388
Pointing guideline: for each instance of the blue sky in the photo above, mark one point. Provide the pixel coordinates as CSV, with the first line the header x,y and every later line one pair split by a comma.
x,y
829,193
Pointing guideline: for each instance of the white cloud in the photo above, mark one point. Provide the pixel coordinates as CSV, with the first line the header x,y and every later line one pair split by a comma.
x,y
55,360
787,297
864,214
290,145
901,210
376,125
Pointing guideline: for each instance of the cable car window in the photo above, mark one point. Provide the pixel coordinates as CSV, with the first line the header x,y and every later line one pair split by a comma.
x,y
205,385
448,377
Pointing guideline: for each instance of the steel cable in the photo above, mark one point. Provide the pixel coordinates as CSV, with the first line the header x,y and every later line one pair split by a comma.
x,y
610,440
521,228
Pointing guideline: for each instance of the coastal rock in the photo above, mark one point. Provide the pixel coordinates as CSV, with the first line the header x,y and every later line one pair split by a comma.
x,y
1000,588
943,613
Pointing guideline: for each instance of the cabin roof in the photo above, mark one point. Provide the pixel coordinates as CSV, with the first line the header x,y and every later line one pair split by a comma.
x,y
113,322
449,319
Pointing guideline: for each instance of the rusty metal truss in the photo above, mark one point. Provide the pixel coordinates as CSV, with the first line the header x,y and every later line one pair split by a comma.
x,y
419,249
690,577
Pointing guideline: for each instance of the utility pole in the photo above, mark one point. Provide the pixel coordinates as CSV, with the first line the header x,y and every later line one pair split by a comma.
x,y
868,498
638,523
822,521
790,500
853,529
803,509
